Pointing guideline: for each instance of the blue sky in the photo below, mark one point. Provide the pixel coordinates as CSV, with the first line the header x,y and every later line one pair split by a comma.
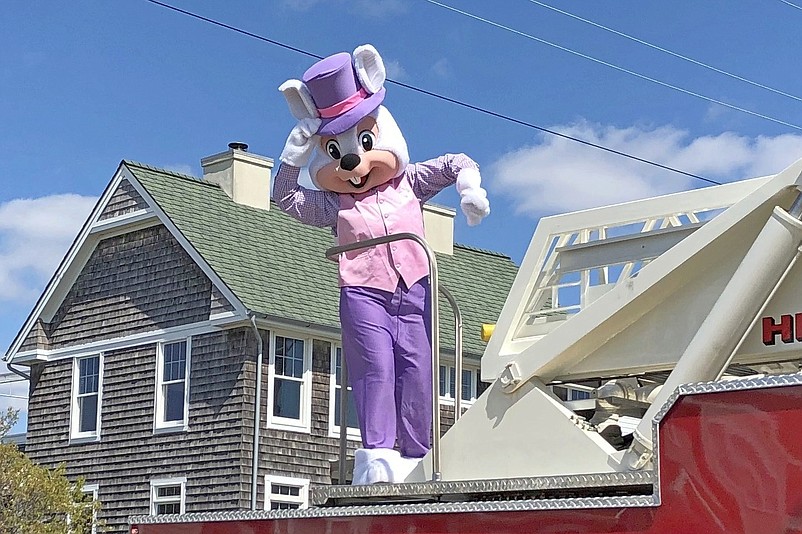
x,y
83,87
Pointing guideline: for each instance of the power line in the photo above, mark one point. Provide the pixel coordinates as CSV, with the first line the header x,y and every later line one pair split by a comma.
x,y
790,4
235,29
445,98
613,66
670,52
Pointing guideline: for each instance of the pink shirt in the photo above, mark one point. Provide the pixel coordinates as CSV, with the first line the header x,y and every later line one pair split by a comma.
x,y
391,208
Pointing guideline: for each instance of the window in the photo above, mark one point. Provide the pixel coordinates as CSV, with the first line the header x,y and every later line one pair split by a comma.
x,y
336,358
86,387
168,496
573,392
172,385
285,493
290,379
448,383
90,496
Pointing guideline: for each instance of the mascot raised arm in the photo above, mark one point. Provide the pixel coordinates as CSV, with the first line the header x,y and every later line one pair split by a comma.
x,y
358,159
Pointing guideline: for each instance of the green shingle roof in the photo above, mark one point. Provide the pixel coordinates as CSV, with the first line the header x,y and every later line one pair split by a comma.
x,y
276,266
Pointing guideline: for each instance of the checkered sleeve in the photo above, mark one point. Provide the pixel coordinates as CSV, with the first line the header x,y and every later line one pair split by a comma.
x,y
430,177
310,206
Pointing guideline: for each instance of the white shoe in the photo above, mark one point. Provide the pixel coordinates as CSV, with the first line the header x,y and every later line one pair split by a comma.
x,y
402,466
372,466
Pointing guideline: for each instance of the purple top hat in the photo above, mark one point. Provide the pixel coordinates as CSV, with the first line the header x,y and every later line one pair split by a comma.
x,y
338,95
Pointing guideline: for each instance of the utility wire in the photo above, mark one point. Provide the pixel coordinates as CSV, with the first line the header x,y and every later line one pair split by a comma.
x,y
613,66
445,98
670,52
790,4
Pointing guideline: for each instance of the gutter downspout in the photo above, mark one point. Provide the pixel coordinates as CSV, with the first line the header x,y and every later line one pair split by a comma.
x,y
257,412
17,372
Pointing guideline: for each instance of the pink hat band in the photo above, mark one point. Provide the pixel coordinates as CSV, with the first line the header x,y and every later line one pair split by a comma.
x,y
343,106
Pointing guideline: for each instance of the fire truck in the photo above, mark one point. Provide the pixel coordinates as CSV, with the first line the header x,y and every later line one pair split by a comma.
x,y
682,316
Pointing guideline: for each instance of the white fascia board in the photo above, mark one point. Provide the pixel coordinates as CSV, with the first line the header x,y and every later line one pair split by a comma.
x,y
75,252
143,338
239,307
125,223
307,329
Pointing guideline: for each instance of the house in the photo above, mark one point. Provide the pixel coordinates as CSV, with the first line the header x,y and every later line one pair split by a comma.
x,y
142,351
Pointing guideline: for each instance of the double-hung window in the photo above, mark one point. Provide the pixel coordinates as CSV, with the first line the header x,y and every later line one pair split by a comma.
x,y
335,395
87,389
291,382
168,496
285,493
172,385
448,383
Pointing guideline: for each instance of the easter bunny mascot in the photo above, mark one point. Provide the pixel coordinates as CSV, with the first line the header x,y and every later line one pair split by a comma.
x,y
357,157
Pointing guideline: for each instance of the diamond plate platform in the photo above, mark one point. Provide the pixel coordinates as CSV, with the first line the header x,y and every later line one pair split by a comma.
x,y
573,486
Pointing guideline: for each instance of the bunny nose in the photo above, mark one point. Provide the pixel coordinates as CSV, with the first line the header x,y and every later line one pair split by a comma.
x,y
349,162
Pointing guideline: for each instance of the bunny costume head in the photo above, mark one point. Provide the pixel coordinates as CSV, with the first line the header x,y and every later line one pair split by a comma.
x,y
358,144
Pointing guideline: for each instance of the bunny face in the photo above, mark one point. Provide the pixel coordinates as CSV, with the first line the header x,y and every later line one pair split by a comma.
x,y
361,158
357,144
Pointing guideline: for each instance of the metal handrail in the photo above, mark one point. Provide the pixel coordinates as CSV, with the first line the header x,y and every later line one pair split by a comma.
x,y
457,352
434,281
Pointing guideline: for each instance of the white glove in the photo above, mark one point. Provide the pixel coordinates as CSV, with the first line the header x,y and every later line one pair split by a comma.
x,y
473,199
299,145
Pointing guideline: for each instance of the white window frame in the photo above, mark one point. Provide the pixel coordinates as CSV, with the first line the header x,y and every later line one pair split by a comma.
x,y
93,489
285,423
334,429
159,424
301,483
155,500
447,399
76,436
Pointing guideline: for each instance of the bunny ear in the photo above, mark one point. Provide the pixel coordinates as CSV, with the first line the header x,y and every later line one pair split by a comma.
x,y
369,68
299,99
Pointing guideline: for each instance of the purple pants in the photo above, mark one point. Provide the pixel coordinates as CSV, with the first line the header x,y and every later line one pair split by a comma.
x,y
387,346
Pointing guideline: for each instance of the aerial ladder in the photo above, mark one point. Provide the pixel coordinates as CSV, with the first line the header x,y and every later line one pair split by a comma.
x,y
684,315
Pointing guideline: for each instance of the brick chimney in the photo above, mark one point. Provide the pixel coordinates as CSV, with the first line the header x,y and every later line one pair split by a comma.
x,y
245,177
438,224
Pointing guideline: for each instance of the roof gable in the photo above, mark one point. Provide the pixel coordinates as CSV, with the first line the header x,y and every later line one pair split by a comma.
x,y
120,209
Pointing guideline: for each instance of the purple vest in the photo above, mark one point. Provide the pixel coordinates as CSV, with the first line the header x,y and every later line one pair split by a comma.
x,y
390,208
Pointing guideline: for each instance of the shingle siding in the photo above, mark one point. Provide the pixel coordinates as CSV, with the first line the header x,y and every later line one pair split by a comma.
x,y
219,304
37,338
132,283
124,200
129,454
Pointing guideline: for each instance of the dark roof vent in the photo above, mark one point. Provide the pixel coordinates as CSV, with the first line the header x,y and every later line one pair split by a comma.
x,y
238,146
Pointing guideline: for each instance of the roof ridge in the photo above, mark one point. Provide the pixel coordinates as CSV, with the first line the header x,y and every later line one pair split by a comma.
x,y
176,174
483,251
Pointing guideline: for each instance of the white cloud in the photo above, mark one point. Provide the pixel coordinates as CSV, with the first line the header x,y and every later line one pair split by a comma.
x,y
34,236
395,71
380,8
558,175
299,5
368,8
441,68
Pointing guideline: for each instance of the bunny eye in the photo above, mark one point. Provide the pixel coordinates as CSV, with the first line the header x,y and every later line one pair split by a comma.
x,y
366,139
333,149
